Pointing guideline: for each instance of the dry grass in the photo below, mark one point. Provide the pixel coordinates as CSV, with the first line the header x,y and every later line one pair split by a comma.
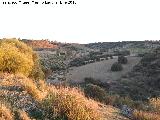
x,y
155,102
141,115
153,114
23,115
68,102
72,103
5,113
27,84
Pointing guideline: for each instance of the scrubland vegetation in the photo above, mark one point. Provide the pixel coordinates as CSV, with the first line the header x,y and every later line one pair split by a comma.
x,y
25,94
31,98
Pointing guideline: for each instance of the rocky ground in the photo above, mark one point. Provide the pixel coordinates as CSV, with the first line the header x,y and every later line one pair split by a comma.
x,y
21,99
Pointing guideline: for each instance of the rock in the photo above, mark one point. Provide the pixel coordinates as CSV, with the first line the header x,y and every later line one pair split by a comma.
x,y
126,111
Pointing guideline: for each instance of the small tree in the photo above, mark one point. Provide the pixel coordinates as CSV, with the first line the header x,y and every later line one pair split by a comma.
x,y
122,60
95,92
116,67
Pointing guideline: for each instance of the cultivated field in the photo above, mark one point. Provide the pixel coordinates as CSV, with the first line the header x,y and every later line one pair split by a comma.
x,y
100,70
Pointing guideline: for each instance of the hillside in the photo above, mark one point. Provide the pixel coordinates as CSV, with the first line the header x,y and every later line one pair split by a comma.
x,y
28,100
100,70
25,95
143,81
40,44
135,47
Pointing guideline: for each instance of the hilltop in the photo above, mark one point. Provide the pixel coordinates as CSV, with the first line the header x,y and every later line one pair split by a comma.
x,y
40,44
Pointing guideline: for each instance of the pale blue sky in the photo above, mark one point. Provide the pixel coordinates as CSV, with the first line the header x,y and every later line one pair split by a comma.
x,y
87,21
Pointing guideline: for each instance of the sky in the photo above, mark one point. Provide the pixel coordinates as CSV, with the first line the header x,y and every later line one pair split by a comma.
x,y
85,22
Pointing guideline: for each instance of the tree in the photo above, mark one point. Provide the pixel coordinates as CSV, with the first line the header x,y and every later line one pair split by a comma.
x,y
122,60
116,67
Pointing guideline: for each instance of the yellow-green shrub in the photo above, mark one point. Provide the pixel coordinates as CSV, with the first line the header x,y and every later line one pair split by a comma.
x,y
22,47
14,61
17,57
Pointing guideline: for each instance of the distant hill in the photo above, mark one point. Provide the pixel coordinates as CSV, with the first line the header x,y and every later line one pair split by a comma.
x,y
109,45
135,47
40,44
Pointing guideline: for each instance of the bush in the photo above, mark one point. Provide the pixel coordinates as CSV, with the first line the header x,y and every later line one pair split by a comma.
x,y
70,104
122,60
123,53
111,56
15,57
52,62
77,62
95,92
91,80
116,67
148,58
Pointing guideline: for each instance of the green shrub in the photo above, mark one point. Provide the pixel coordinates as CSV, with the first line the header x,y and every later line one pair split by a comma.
x,y
52,62
91,80
148,58
95,92
116,67
122,60
77,62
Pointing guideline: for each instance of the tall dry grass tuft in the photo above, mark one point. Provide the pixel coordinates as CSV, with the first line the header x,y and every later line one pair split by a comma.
x,y
32,89
27,84
141,115
23,115
153,114
155,102
71,103
5,113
